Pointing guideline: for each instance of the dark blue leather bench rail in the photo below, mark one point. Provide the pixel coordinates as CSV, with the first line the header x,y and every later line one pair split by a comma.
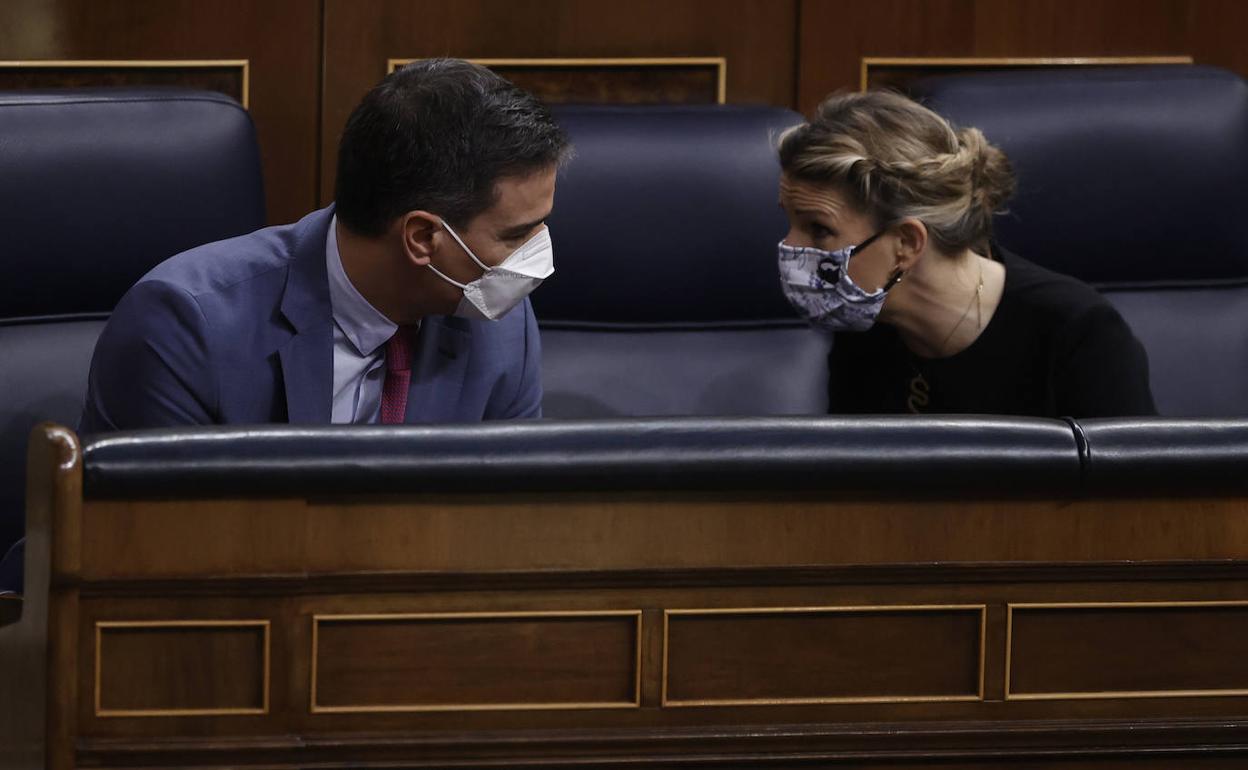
x,y
1188,457
966,456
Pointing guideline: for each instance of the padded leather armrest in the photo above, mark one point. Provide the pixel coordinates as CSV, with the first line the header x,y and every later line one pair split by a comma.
x,y
886,455
1151,456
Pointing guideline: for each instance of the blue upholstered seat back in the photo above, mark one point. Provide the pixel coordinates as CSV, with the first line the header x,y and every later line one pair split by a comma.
x,y
665,298
96,187
1133,179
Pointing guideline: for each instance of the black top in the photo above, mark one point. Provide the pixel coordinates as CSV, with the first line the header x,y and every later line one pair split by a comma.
x,y
1054,348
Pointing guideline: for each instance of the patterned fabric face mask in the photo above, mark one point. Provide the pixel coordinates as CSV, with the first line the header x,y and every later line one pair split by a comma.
x,y
818,286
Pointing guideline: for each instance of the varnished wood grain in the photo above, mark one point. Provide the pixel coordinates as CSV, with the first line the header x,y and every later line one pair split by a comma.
x,y
458,662
229,78
811,655
177,668
38,654
1128,650
10,609
149,539
836,34
755,36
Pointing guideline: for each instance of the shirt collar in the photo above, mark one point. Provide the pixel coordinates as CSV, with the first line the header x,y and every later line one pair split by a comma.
x,y
364,325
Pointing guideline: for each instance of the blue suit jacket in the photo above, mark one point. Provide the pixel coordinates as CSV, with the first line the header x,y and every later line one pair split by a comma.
x,y
241,331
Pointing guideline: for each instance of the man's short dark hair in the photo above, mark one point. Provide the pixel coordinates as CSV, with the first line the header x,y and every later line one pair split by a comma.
x,y
436,135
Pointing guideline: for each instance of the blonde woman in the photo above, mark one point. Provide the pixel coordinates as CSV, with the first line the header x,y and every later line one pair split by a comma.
x,y
890,246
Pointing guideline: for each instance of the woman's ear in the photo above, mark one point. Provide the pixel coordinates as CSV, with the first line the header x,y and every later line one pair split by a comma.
x,y
911,243
418,231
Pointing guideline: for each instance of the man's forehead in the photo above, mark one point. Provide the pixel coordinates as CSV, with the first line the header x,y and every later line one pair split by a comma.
x,y
522,199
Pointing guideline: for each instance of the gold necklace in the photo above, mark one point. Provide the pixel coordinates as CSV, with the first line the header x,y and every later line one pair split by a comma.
x,y
920,390
977,301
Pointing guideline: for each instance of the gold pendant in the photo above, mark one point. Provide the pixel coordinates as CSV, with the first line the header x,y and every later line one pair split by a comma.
x,y
919,392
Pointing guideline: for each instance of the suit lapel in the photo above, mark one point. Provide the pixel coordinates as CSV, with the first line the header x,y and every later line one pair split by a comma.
x,y
438,369
308,357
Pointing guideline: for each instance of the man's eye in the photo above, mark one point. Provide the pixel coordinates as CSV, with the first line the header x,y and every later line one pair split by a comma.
x,y
820,232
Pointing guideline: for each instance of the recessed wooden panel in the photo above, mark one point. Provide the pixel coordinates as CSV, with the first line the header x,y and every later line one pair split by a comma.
x,y
823,655
613,81
1127,650
179,668
898,73
228,77
472,662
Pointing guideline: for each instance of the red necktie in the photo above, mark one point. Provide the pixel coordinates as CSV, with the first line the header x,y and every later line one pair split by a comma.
x,y
398,377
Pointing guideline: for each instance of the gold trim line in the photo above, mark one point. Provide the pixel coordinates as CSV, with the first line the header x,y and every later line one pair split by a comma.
x,y
100,625
317,619
1107,694
1008,61
719,62
982,609
50,64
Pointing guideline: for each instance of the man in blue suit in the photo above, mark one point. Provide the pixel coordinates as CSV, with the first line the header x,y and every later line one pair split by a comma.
x,y
405,301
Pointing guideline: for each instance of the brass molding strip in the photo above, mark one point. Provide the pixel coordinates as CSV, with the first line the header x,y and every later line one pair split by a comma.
x,y
52,64
719,62
666,702
101,625
1008,61
1093,695
315,708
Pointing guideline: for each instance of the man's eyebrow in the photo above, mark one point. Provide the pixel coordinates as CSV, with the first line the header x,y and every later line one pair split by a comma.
x,y
522,229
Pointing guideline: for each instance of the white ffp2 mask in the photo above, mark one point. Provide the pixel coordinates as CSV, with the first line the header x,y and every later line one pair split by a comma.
x,y
504,286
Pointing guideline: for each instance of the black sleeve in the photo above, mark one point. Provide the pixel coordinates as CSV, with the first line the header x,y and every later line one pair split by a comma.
x,y
1102,369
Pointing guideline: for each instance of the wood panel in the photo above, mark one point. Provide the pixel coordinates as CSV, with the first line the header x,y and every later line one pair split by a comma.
x,y
823,655
280,39
10,609
1065,652
181,668
228,77
473,533
447,585
835,35
477,661
897,74
755,36
634,80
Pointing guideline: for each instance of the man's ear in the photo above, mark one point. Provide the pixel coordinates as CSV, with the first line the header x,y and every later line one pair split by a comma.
x,y
911,243
418,232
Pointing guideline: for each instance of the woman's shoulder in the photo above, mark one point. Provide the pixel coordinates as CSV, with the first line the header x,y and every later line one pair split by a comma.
x,y
1056,296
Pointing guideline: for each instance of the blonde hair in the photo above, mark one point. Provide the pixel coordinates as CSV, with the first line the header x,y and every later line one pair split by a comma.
x,y
898,159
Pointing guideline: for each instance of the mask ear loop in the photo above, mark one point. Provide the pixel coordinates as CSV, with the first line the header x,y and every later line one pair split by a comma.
x,y
863,245
447,226
895,278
